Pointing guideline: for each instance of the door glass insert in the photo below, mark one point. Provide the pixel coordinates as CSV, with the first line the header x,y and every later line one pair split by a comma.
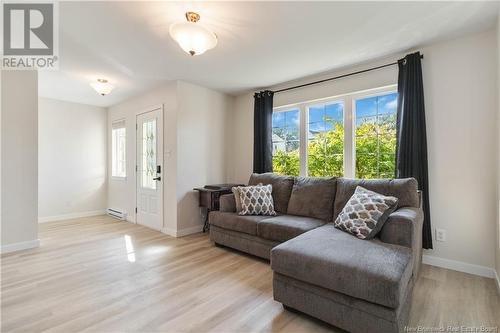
x,y
149,154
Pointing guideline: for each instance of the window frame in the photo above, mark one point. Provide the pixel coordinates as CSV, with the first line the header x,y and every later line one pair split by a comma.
x,y
114,147
349,119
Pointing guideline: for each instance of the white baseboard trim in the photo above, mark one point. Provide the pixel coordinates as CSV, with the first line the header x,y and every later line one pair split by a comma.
x,y
459,266
182,232
20,246
170,232
189,231
497,279
130,219
71,216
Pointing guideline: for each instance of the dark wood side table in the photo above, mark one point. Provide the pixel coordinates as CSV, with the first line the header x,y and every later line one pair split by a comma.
x,y
209,198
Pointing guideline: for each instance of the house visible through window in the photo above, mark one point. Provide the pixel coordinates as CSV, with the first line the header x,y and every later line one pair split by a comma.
x,y
286,142
118,150
352,136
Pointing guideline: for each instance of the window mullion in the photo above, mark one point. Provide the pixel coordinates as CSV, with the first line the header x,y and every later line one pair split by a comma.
x,y
114,152
378,141
303,137
349,138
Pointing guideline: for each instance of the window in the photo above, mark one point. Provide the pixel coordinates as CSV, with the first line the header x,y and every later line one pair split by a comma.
x,y
118,148
352,136
326,140
376,136
286,142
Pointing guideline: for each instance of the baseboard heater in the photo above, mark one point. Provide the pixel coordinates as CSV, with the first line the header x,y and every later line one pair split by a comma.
x,y
116,214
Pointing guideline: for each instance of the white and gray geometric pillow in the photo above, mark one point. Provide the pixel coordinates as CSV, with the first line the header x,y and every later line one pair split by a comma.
x,y
365,213
256,200
236,193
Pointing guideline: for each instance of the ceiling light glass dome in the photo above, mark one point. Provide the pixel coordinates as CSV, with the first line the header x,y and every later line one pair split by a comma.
x,y
192,37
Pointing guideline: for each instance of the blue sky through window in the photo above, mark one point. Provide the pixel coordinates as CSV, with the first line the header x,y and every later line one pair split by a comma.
x,y
387,103
321,117
368,108
365,108
320,112
286,119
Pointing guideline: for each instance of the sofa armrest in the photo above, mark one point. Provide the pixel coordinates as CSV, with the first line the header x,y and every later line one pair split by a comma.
x,y
227,203
401,228
404,227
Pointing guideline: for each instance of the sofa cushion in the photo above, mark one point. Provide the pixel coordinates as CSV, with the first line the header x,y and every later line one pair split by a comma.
x,y
227,203
365,213
282,188
327,257
313,197
404,189
235,222
284,227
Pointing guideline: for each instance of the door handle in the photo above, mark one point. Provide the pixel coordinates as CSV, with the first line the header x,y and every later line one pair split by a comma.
x,y
157,178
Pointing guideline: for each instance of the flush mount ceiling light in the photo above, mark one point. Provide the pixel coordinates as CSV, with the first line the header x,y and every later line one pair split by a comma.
x,y
192,37
102,86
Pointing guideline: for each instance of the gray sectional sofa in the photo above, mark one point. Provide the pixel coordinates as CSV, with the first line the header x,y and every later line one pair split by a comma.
x,y
357,285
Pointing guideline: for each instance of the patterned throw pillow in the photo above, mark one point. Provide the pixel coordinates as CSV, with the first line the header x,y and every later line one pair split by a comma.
x,y
236,193
256,200
365,213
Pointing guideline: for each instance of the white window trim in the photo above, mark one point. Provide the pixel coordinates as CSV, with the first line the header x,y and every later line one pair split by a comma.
x,y
349,101
113,124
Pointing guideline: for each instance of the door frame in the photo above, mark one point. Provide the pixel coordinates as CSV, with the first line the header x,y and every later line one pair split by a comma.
x,y
160,155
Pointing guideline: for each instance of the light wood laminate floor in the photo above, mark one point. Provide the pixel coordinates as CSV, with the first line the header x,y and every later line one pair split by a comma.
x,y
101,275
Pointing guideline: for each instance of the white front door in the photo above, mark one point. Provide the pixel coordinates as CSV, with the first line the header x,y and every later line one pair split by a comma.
x,y
150,173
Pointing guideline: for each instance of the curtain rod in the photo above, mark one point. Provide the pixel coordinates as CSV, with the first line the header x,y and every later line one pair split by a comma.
x,y
340,76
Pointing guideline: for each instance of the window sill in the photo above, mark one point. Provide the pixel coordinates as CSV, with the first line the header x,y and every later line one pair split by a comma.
x,y
118,178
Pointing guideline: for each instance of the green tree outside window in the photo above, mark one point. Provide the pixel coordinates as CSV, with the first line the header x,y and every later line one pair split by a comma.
x,y
375,151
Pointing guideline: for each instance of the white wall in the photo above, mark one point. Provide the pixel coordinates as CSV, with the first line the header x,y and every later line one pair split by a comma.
x,y
461,96
497,252
19,111
202,123
461,101
240,158
71,159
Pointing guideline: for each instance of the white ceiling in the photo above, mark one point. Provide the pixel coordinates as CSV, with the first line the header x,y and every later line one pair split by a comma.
x,y
260,43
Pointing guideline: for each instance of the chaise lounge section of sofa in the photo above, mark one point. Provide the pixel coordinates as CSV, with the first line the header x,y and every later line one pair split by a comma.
x,y
357,285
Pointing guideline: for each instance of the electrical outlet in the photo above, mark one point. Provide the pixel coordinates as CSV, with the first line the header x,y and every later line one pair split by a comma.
x,y
440,235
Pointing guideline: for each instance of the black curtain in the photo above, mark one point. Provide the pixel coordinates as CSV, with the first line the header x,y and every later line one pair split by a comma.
x,y
263,132
411,147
